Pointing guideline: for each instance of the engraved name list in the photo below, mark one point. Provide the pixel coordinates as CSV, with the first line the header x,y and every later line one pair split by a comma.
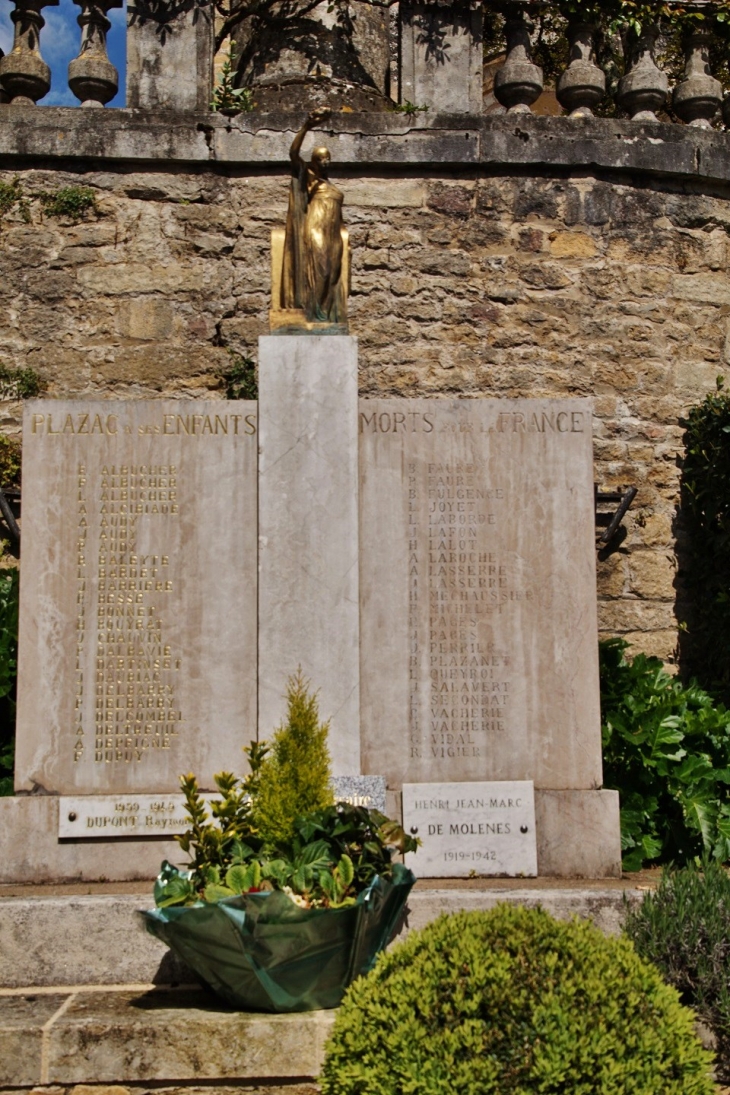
x,y
475,520
164,502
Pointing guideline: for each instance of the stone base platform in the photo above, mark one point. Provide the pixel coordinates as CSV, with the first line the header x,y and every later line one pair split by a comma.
x,y
89,998
578,836
142,1034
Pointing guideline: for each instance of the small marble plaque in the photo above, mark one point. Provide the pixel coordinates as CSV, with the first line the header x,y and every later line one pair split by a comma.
x,y
103,816
471,828
366,791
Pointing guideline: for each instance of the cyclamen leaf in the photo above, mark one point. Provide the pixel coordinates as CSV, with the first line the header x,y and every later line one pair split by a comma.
x,y
346,872
237,879
299,880
177,891
317,852
214,892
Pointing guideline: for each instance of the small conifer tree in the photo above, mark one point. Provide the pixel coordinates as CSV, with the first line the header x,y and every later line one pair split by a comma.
x,y
294,779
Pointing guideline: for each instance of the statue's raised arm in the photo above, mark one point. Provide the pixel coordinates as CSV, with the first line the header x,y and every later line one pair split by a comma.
x,y
312,272
317,117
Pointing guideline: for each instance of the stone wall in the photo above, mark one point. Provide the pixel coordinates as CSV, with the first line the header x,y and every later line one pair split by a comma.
x,y
496,279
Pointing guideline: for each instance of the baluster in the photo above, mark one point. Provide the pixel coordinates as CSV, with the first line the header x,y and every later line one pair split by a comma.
x,y
697,99
645,88
726,111
518,82
91,76
25,75
4,97
583,84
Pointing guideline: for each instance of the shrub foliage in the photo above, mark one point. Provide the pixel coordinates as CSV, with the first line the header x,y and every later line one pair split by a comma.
x,y
705,569
684,929
8,670
294,778
666,750
511,1001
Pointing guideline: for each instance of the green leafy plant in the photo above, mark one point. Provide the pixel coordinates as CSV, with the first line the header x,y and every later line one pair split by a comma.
x,y
70,201
10,461
239,378
511,1001
684,929
278,828
19,383
705,547
409,108
227,98
8,673
11,196
666,749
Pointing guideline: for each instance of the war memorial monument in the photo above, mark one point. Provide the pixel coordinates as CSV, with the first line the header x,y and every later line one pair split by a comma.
x,y
428,563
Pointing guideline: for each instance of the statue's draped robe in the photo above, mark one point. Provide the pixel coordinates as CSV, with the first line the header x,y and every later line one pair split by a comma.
x,y
293,279
312,267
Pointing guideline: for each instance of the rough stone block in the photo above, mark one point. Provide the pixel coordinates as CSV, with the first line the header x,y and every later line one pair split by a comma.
x,y
123,1037
441,58
578,834
22,1022
704,288
145,319
572,245
176,75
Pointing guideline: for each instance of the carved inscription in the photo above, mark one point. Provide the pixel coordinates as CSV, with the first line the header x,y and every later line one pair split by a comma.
x,y
468,677
148,645
477,588
136,669
455,552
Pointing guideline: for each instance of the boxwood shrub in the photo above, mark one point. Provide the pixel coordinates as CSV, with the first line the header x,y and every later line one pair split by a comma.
x,y
512,1001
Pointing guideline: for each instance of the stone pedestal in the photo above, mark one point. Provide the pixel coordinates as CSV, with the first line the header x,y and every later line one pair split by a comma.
x,y
171,74
308,532
441,58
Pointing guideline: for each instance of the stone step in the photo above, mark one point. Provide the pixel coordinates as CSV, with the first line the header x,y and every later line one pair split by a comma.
x,y
77,939
144,1034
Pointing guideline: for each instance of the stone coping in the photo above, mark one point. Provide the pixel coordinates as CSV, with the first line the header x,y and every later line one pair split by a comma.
x,y
636,880
368,142
48,942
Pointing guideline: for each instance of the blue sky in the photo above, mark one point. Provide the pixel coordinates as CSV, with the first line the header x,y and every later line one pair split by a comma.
x,y
60,44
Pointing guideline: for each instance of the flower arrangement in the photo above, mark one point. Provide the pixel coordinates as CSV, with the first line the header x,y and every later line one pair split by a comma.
x,y
278,828
289,895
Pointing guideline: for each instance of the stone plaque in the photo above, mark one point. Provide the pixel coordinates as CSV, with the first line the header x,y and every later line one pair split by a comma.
x,y
101,817
478,592
137,657
471,828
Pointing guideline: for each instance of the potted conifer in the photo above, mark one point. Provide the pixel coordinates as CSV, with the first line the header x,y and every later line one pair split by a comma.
x,y
289,895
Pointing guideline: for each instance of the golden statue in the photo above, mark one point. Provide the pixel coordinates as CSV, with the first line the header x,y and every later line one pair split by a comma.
x,y
309,281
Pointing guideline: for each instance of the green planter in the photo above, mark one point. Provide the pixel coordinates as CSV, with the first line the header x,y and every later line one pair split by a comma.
x,y
262,952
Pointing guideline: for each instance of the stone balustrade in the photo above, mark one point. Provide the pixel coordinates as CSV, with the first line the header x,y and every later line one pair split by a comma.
x,y
24,75
439,65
